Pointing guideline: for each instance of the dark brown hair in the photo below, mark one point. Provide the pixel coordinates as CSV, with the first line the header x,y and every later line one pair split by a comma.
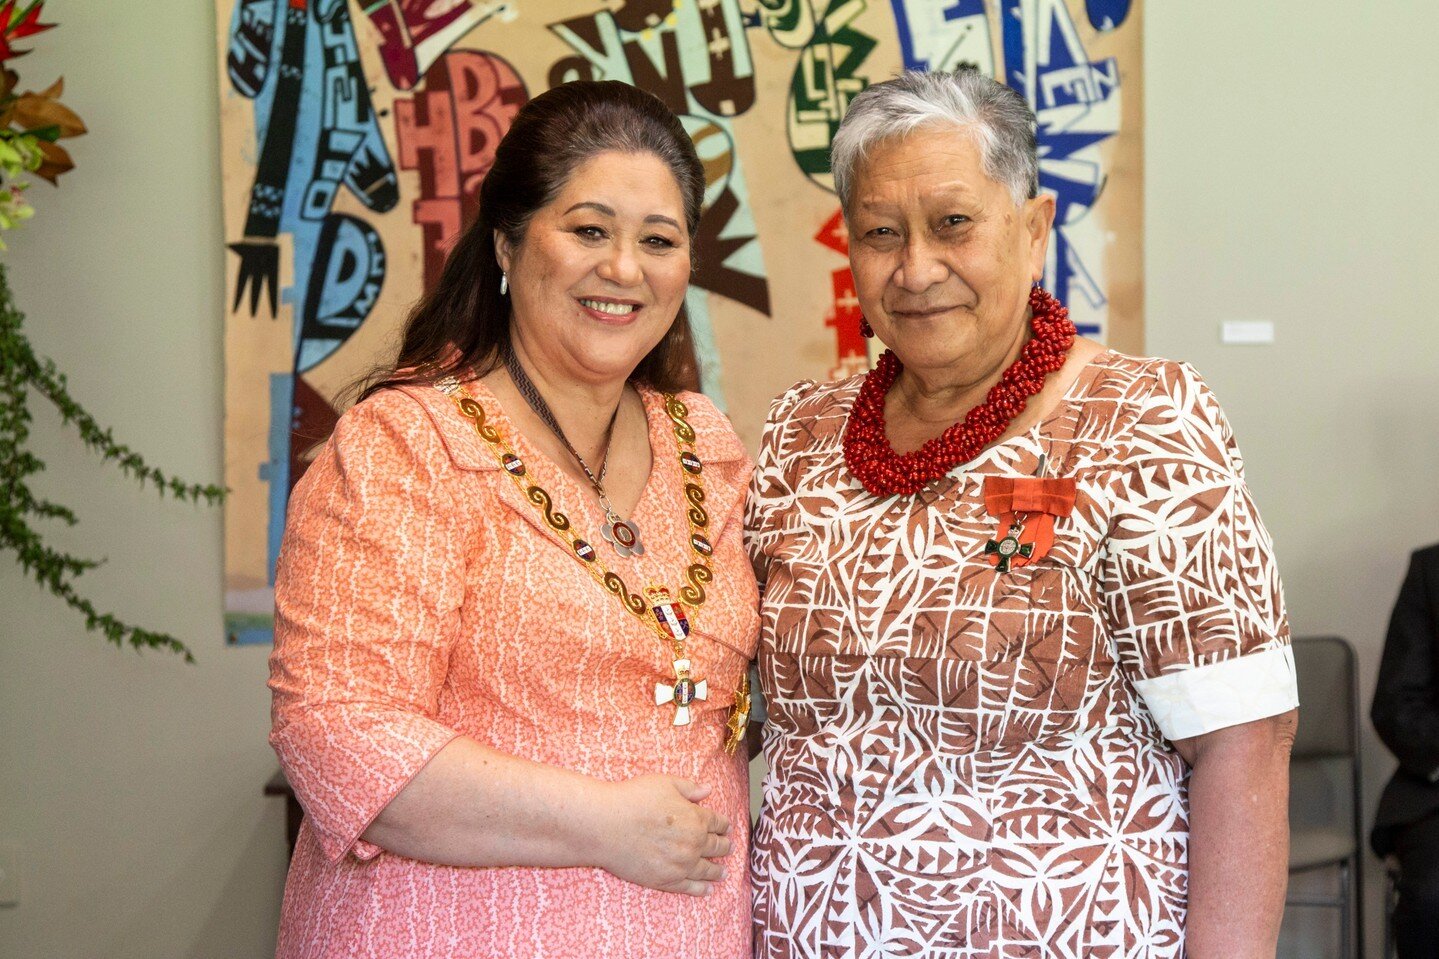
x,y
464,321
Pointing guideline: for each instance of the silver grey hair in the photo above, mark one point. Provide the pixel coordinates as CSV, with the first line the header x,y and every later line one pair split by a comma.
x,y
998,118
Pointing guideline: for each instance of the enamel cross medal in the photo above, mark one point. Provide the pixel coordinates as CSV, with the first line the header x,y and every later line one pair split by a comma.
x,y
681,692
684,690
1009,547
738,722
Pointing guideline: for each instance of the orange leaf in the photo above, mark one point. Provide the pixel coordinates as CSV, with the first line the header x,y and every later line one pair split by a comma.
x,y
33,111
57,161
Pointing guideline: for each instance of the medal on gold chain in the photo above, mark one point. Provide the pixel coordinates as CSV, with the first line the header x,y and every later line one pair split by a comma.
x,y
663,613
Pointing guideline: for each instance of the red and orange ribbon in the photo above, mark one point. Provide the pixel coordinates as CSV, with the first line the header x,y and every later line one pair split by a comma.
x,y
1037,502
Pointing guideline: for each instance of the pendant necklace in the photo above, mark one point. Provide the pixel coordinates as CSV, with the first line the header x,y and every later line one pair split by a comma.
x,y
620,533
658,609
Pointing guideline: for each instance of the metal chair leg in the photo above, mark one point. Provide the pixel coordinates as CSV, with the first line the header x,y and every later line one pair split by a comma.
x,y
1391,903
1389,921
1361,948
1346,933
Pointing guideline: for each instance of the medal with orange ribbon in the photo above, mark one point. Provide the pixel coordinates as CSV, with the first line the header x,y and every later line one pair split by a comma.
x,y
1026,507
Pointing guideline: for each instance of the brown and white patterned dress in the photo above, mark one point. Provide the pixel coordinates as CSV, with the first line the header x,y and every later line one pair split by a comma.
x,y
966,763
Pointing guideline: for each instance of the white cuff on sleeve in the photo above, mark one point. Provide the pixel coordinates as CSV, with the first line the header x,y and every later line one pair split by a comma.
x,y
1200,700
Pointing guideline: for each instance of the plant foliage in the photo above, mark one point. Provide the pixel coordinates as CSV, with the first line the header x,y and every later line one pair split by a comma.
x,y
30,125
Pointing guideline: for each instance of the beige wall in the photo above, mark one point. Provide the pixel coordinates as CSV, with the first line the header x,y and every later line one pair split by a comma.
x,y
1287,179
133,782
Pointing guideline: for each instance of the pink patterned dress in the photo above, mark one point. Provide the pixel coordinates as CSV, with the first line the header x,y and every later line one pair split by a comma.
x,y
421,597
970,764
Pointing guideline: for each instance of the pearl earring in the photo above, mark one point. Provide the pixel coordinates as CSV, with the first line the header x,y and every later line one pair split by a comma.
x,y
504,283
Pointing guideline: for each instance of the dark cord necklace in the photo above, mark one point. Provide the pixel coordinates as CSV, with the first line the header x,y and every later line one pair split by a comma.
x,y
620,533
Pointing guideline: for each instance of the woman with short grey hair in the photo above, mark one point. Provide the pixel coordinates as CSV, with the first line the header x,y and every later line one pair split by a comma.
x,y
1024,651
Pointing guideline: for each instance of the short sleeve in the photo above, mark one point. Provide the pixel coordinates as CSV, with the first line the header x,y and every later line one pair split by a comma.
x,y
1191,590
367,598
771,489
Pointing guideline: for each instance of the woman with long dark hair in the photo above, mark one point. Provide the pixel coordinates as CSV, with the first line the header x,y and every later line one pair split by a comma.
x,y
513,610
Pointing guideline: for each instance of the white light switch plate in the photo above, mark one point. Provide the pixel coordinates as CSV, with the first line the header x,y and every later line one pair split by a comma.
x,y
1246,332
9,875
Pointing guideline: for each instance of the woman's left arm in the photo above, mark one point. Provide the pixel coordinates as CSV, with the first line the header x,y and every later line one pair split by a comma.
x,y
1238,837
1193,597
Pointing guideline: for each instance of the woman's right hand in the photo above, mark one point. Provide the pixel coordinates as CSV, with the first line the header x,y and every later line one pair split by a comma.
x,y
653,832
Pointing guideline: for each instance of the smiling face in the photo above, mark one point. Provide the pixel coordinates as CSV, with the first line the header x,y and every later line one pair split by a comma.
x,y
601,272
943,259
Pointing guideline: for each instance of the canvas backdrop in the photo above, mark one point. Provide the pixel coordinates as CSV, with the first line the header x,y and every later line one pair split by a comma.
x,y
355,137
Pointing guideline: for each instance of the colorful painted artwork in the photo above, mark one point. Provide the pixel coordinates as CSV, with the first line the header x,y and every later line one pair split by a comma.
x,y
355,137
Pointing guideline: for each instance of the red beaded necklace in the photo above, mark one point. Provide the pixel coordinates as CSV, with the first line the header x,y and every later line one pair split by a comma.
x,y
885,472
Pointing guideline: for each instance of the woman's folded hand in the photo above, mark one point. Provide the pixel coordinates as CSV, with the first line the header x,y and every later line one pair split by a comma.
x,y
653,832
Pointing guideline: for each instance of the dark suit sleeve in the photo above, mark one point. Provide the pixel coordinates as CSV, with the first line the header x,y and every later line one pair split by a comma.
x,y
1406,700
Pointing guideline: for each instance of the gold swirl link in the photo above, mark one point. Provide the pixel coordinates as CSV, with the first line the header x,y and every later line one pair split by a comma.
x,y
677,411
695,494
698,574
472,410
615,585
558,521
